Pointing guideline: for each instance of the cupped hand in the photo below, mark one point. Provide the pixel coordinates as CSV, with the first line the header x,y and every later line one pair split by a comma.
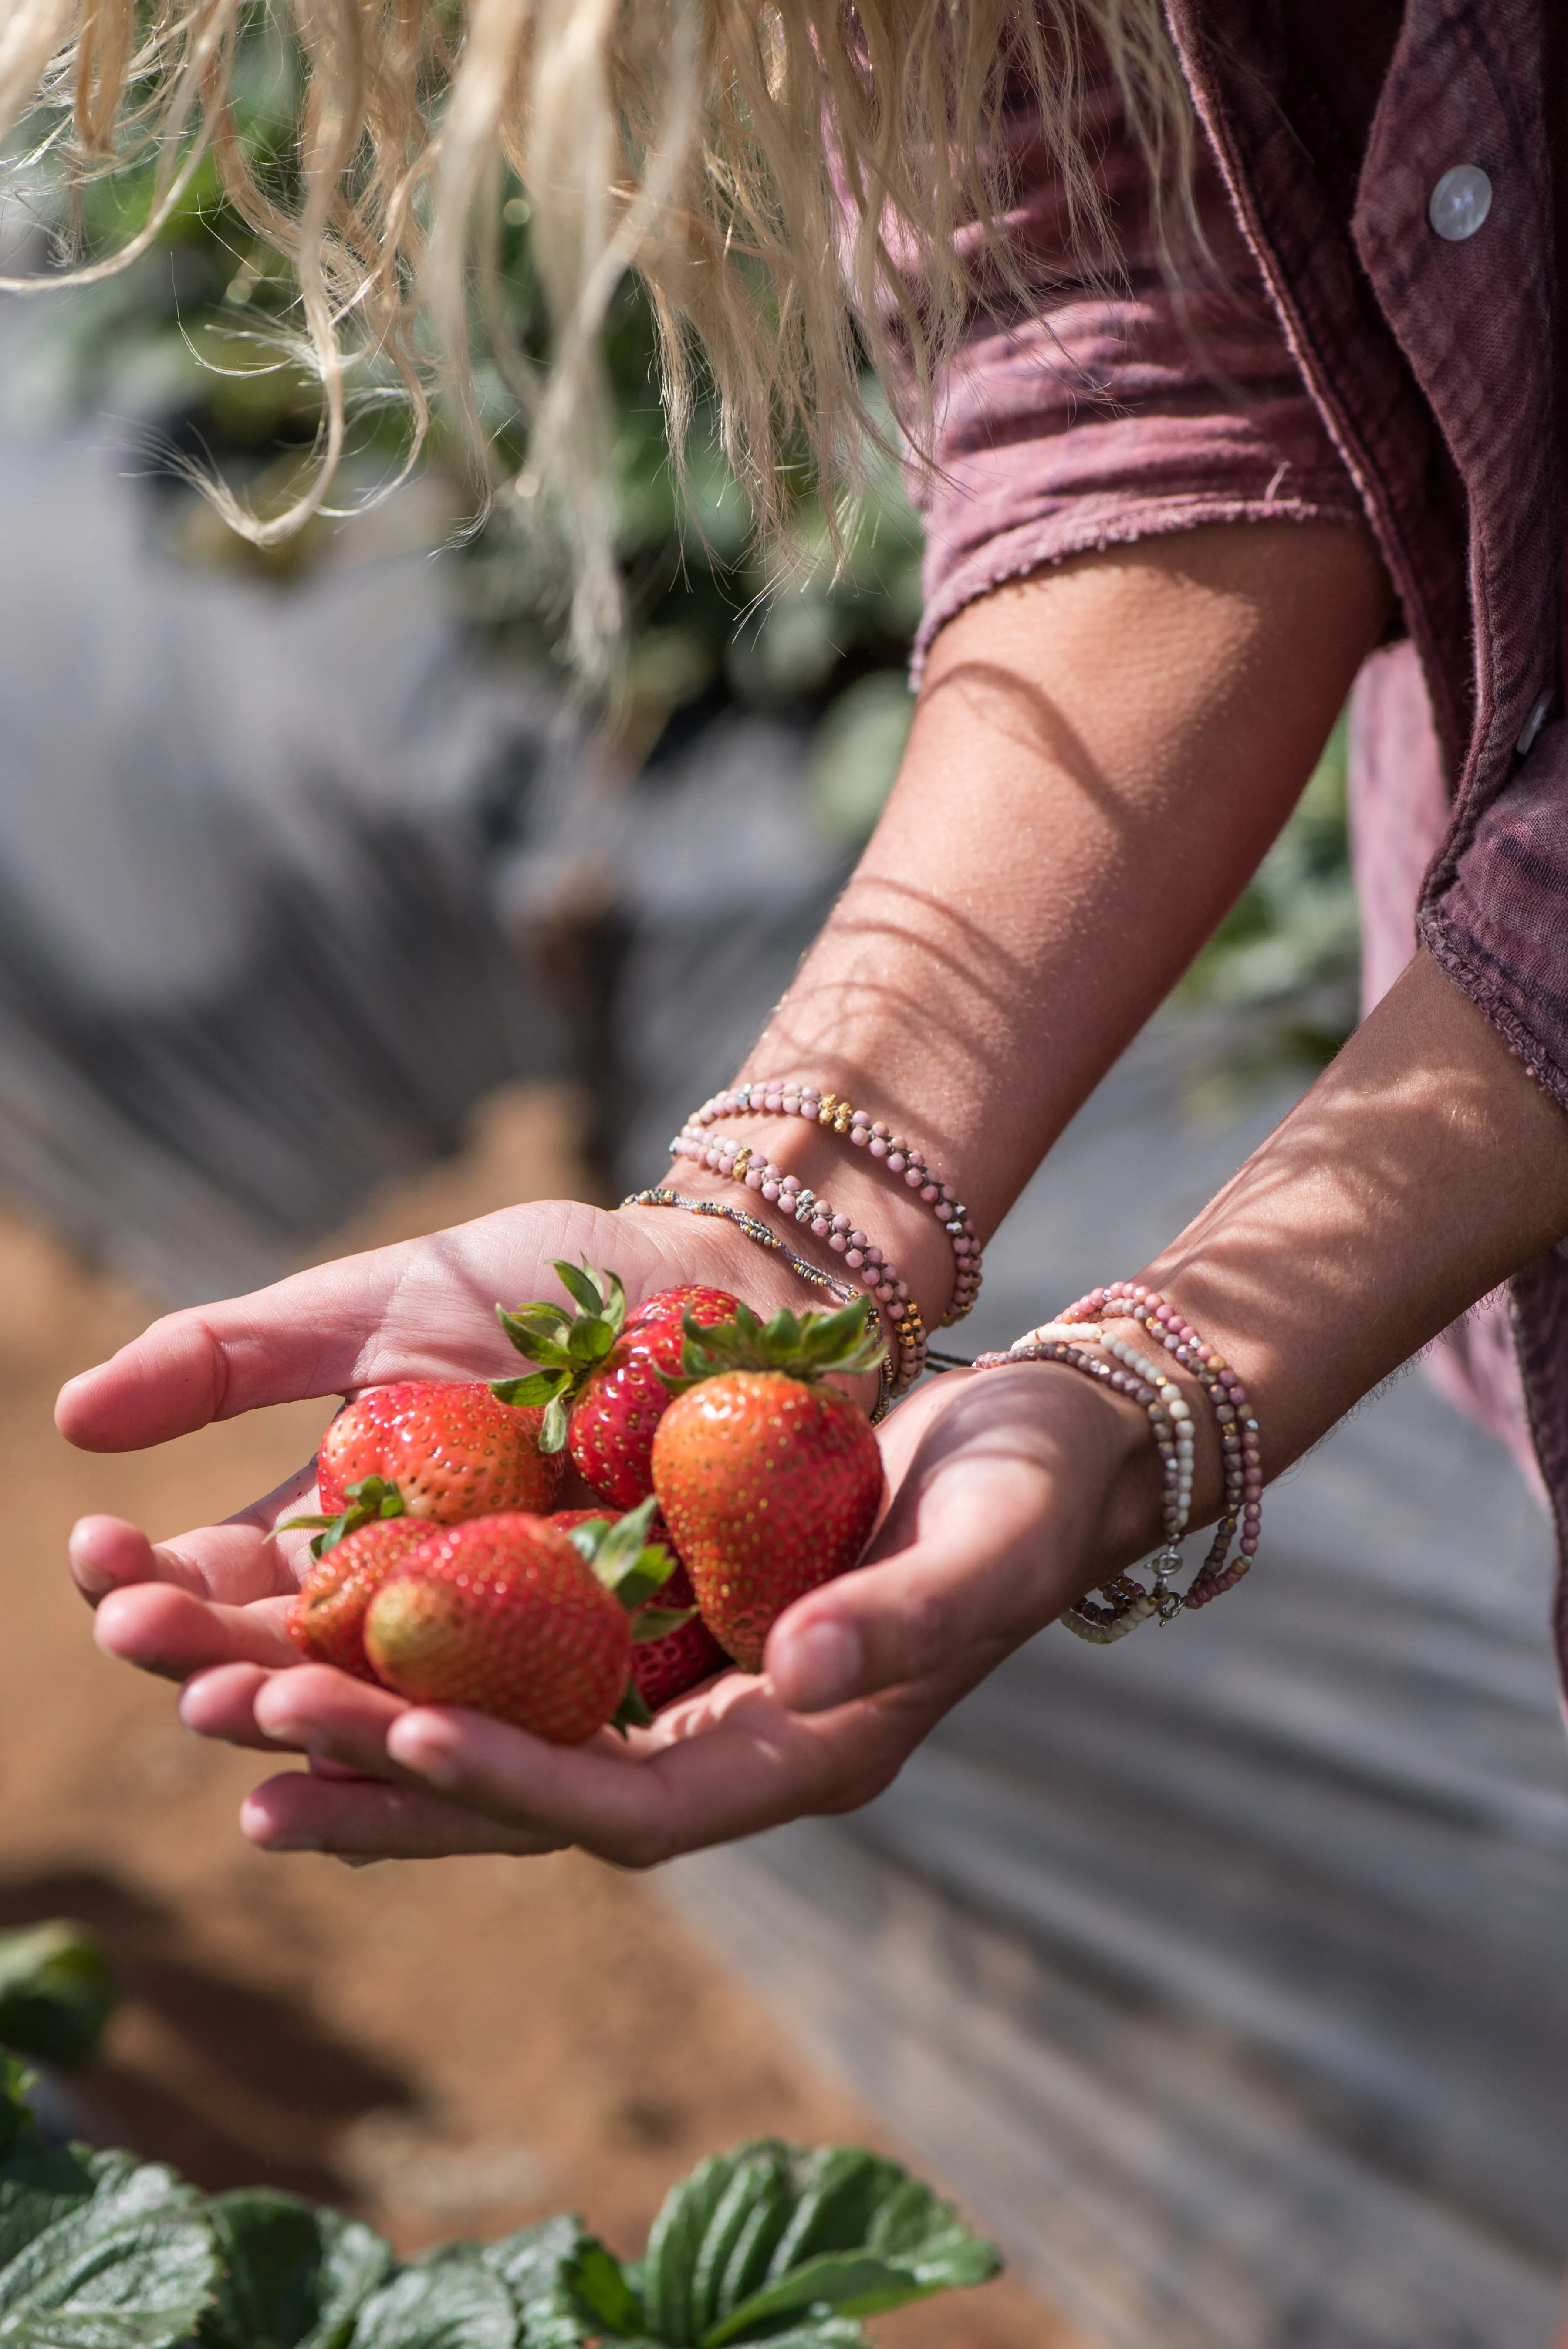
x,y
1002,1483
425,1309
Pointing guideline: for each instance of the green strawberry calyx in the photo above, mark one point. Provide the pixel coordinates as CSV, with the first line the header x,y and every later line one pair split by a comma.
x,y
566,1348
805,1346
632,1568
371,1499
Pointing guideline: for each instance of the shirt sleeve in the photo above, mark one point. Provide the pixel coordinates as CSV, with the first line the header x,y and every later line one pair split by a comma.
x,y
1163,396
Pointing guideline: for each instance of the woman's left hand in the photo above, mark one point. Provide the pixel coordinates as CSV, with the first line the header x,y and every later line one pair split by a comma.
x,y
1002,1488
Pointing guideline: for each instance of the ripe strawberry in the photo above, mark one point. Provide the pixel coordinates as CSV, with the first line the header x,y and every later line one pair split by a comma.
x,y
769,1481
667,1665
503,1615
327,1618
605,1369
516,1618
451,1452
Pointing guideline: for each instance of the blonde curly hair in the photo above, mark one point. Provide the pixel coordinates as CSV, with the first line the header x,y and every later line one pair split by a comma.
x,y
789,178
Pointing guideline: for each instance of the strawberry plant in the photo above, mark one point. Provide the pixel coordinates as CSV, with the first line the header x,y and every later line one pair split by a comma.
x,y
766,2243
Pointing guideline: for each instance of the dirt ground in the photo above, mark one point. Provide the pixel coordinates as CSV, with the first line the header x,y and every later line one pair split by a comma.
x,y
456,2046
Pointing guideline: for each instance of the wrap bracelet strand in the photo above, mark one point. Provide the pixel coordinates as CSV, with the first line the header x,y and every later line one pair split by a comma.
x,y
1123,1603
1241,1457
773,1097
862,1254
842,1293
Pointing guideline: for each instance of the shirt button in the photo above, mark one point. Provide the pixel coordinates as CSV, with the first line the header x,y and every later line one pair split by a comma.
x,y
1461,202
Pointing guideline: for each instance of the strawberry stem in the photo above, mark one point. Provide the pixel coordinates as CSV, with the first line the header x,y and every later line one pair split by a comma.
x,y
624,1558
567,1347
371,1499
805,1346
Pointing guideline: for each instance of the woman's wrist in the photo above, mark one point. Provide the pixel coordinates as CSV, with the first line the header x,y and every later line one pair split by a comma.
x,y
904,1229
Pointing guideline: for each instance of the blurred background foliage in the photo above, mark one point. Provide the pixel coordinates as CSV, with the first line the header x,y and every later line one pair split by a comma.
x,y
195,349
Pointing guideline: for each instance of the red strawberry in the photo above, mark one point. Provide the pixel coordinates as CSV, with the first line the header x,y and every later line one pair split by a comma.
x,y
666,1667
327,1618
503,1615
769,1481
604,1367
451,1452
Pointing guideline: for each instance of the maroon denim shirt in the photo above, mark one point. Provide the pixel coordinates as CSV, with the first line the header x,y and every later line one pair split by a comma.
x,y
1432,406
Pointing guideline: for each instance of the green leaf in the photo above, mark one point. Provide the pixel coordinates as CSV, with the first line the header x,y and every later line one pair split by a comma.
x,y
537,2265
598,2282
538,1331
596,1295
658,1622
746,2225
804,1346
39,2181
862,2236
453,2300
292,2276
553,1434
674,2246
586,1537
56,1991
632,1713
534,1389
624,1558
133,2268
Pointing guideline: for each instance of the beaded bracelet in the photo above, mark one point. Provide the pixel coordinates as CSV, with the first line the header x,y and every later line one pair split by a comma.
x,y
741,1163
1238,1428
771,1097
1126,1603
842,1293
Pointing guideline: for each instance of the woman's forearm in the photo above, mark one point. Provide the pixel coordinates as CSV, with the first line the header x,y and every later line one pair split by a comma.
x,y
1422,1169
1100,756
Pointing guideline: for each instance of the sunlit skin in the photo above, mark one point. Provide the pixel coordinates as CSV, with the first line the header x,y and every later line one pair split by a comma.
x,y
1100,756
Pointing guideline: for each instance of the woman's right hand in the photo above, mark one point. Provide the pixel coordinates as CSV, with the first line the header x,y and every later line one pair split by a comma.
x,y
422,1309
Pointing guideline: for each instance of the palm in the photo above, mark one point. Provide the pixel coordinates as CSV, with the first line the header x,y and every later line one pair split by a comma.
x,y
425,1309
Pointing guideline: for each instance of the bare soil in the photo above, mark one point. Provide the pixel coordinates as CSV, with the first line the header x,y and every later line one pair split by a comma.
x,y
452,2046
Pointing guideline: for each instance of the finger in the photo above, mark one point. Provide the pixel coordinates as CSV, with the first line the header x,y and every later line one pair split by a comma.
x,y
423,1308
172,1634
736,1762
304,1336
235,1563
220,1702
320,1711
357,1819
947,1604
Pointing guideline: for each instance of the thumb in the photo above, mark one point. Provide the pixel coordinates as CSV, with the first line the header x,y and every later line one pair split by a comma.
x,y
956,1582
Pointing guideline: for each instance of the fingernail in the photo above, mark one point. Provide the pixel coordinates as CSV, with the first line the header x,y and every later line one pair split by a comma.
x,y
424,1753
820,1667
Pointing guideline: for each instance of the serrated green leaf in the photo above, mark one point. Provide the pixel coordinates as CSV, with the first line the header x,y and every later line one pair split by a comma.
x,y
291,2276
758,2187
39,2181
129,2269
456,2303
861,2236
674,2244
535,2265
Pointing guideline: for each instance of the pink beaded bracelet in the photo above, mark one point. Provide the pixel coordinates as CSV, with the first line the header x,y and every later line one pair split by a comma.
x,y
1123,1603
772,1097
738,1162
1238,1429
